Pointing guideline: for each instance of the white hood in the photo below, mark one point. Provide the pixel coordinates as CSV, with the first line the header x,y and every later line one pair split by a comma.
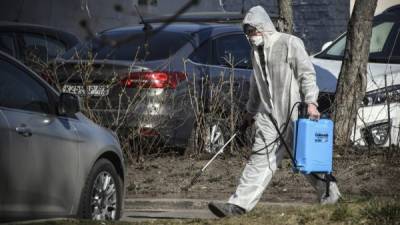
x,y
258,18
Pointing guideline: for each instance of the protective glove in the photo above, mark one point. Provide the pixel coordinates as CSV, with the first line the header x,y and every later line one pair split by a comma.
x,y
313,112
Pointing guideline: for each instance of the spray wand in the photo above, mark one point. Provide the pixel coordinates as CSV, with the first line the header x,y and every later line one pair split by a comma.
x,y
200,172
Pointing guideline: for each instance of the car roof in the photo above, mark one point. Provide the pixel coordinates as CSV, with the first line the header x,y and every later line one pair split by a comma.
x,y
64,36
203,30
388,16
394,9
209,16
185,27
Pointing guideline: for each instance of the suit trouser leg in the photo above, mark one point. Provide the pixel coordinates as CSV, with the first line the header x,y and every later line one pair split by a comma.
x,y
261,166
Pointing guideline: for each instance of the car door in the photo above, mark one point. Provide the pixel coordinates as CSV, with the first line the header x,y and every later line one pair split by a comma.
x,y
4,148
232,55
43,154
231,64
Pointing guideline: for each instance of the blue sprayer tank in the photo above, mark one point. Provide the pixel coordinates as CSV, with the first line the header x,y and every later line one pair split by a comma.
x,y
313,145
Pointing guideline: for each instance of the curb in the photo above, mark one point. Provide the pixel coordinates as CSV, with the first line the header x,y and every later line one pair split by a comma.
x,y
39,221
194,204
154,203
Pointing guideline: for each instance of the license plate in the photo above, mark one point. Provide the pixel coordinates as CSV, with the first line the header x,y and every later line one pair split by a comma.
x,y
92,90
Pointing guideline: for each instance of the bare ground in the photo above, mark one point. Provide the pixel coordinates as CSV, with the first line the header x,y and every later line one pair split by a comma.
x,y
363,173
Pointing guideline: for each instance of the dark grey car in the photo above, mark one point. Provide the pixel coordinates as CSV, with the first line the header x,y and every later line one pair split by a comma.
x,y
54,162
155,83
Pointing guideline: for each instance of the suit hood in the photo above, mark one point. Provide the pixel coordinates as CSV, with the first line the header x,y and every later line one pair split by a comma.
x,y
259,18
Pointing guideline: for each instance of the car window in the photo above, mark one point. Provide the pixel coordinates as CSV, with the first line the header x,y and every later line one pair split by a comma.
x,y
138,47
379,37
338,48
41,46
202,54
379,40
7,43
19,90
395,50
232,50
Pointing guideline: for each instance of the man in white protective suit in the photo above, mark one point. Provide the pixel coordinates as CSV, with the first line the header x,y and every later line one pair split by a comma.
x,y
283,75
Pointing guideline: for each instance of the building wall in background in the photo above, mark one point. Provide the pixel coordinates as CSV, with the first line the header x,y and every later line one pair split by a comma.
x,y
316,22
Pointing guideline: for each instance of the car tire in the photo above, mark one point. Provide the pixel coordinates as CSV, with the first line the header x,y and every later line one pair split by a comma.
x,y
95,202
214,137
201,140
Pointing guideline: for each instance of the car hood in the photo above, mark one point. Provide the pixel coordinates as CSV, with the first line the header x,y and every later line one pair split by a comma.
x,y
328,71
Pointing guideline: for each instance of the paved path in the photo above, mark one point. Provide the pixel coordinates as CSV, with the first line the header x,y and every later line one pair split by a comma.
x,y
140,209
144,209
141,215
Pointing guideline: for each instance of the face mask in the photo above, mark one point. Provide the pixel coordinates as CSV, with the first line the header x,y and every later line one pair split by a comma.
x,y
256,40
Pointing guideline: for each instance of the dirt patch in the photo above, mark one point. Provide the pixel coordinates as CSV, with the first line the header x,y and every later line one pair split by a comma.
x,y
359,173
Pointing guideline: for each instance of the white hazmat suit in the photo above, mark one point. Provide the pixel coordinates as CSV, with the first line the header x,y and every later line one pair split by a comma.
x,y
288,77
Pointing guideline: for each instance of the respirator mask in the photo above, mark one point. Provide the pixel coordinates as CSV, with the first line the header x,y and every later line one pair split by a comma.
x,y
254,37
256,40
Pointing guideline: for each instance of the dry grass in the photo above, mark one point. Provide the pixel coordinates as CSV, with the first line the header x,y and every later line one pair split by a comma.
x,y
372,211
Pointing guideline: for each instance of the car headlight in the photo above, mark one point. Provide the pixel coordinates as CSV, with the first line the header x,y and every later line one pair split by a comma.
x,y
376,134
379,96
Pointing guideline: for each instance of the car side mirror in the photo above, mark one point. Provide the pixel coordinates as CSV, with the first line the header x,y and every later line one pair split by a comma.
x,y
68,104
326,45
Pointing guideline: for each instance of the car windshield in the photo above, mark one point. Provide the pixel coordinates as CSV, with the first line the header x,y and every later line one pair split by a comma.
x,y
383,45
131,46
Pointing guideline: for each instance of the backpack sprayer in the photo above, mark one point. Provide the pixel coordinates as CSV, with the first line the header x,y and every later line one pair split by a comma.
x,y
312,147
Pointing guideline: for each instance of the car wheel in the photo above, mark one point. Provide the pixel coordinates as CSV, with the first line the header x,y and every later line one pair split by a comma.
x,y
207,137
102,195
213,138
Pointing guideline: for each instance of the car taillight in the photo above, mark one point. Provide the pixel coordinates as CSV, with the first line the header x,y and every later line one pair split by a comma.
x,y
148,132
156,79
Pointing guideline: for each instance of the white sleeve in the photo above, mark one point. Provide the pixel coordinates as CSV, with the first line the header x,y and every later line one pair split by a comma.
x,y
304,71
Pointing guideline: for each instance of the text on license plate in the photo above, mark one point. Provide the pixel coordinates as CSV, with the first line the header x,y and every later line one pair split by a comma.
x,y
93,90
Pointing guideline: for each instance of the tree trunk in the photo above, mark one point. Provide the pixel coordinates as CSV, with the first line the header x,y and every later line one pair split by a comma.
x,y
352,81
285,20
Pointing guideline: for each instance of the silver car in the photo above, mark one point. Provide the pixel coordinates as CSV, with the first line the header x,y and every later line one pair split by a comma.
x,y
54,162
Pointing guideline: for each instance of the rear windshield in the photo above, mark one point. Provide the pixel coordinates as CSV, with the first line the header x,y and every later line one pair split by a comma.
x,y
132,46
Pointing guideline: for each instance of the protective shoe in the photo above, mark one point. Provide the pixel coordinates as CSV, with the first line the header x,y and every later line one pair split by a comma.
x,y
225,209
334,195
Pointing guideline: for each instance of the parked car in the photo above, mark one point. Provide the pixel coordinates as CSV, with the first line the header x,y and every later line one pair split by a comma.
x,y
54,162
20,40
157,71
378,119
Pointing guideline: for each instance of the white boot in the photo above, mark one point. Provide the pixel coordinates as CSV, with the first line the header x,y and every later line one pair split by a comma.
x,y
334,195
